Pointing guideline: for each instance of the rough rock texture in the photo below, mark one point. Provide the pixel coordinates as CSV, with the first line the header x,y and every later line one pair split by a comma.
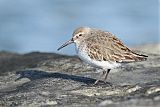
x,y
48,79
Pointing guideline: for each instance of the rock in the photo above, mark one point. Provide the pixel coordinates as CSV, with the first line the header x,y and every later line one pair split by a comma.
x,y
49,79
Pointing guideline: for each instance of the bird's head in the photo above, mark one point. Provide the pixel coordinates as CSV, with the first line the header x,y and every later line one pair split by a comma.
x,y
78,35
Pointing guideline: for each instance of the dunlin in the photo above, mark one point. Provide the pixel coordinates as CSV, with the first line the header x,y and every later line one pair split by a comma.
x,y
101,49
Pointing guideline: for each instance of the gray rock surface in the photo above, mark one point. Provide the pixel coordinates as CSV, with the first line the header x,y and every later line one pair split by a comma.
x,y
48,79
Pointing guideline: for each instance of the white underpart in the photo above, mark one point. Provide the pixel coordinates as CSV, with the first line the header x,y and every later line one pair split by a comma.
x,y
100,64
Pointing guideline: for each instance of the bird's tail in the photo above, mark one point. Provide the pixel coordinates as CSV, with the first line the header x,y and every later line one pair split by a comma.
x,y
140,57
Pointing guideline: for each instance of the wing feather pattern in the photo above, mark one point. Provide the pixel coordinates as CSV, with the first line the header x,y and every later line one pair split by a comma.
x,y
108,48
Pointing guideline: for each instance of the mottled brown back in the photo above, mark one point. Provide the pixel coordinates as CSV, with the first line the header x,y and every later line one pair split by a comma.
x,y
105,46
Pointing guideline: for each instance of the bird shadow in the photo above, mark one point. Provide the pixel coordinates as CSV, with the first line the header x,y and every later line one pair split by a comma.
x,y
38,74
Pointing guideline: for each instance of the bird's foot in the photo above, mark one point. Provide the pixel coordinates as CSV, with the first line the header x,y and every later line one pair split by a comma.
x,y
103,83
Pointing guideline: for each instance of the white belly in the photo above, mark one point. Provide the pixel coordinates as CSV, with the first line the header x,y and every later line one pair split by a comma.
x,y
100,64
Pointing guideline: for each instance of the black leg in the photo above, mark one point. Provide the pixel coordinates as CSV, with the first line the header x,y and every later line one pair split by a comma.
x,y
106,74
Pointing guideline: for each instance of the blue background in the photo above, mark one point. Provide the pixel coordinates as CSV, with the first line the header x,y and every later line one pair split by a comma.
x,y
43,25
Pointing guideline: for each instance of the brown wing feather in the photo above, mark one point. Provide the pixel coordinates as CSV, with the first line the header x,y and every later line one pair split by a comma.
x,y
111,49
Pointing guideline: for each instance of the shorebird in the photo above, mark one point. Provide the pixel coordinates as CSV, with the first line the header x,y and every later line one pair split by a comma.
x,y
101,49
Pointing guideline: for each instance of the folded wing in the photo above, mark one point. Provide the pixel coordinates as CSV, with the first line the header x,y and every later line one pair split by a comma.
x,y
112,49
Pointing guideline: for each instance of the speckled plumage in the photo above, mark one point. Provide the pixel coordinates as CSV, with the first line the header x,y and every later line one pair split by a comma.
x,y
102,49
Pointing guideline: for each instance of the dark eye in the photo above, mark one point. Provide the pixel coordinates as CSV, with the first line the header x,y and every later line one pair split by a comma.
x,y
80,34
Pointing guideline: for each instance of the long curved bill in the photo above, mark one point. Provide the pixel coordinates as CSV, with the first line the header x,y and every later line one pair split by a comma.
x,y
65,44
